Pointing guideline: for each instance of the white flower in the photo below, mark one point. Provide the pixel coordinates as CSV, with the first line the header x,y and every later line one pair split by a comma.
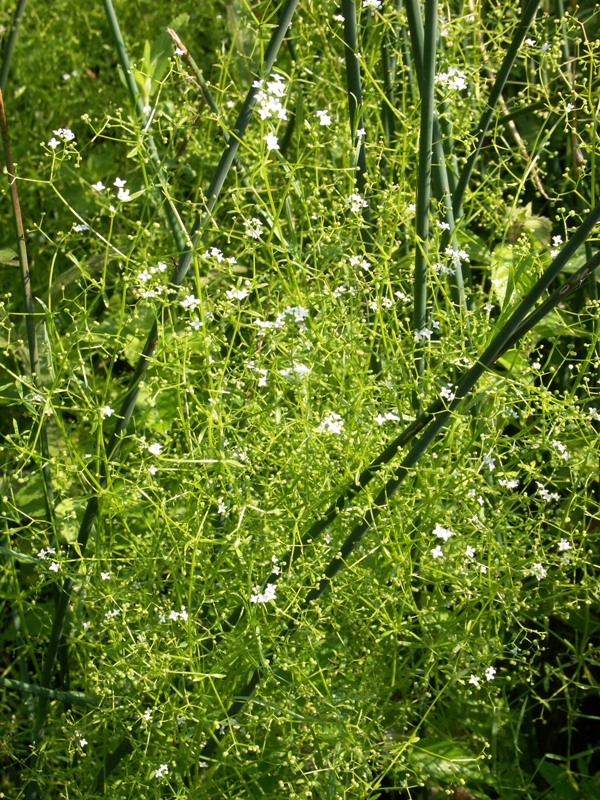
x,y
564,545
263,597
470,551
66,134
98,187
489,462
155,449
82,741
46,551
190,301
54,567
152,470
547,497
356,203
119,183
237,294
564,453
324,118
332,423
360,133
253,227
474,680
53,143
389,416
123,195
81,226
221,506
453,79
424,335
490,674
446,393
371,3
442,533
107,411
538,571
161,771
105,576
508,483
276,569
594,414
272,141
268,97
437,552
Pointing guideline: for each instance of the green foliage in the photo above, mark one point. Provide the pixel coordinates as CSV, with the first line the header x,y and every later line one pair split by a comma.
x,y
453,648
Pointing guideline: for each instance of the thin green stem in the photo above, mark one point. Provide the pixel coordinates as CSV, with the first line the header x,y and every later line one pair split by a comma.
x,y
9,47
427,85
357,121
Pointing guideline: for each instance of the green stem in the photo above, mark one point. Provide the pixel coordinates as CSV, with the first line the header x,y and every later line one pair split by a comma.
x,y
427,85
9,47
355,111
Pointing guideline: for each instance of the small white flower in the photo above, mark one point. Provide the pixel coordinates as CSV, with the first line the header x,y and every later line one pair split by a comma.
x,y
332,423
442,533
54,567
547,497
474,680
538,571
490,674
161,771
489,462
446,393
107,411
152,470
179,51
190,301
452,79
105,576
82,741
272,141
221,506
470,551
123,195
594,414
508,483
356,203
53,143
155,449
360,133
371,3
263,597
237,294
253,227
119,183
81,226
564,453
324,118
98,187
437,552
564,545
66,134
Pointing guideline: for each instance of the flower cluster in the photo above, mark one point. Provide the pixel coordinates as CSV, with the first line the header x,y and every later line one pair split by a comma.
x,y
356,203
296,313
65,135
332,423
263,597
269,104
453,79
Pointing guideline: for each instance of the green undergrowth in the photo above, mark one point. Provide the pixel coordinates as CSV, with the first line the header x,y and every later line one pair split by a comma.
x,y
167,487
